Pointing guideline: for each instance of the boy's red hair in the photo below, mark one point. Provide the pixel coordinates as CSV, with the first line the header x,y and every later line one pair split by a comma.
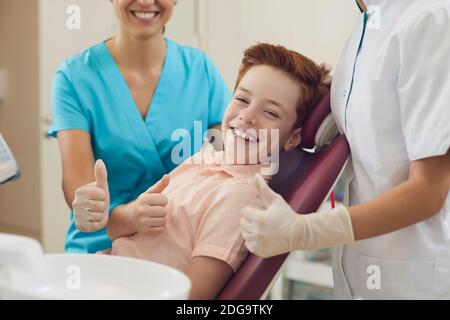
x,y
312,78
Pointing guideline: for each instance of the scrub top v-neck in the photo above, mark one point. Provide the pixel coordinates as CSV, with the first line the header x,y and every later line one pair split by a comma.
x,y
90,94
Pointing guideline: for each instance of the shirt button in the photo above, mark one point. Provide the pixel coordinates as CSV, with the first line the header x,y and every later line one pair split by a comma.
x,y
344,94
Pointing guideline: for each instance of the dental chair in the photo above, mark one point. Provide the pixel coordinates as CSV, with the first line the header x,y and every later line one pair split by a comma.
x,y
305,179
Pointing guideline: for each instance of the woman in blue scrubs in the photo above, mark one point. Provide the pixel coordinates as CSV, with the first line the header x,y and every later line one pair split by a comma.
x,y
120,101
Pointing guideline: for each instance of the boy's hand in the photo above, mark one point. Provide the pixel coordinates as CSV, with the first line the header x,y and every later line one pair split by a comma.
x,y
149,210
91,203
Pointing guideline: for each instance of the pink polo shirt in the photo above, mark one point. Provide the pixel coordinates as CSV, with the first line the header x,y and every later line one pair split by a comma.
x,y
204,212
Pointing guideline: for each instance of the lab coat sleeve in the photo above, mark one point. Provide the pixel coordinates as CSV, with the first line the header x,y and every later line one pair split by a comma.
x,y
67,112
424,84
219,93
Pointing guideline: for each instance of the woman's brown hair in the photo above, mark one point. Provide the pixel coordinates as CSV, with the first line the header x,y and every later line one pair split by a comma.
x,y
312,78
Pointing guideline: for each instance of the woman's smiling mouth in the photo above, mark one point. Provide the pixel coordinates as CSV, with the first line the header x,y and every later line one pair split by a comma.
x,y
145,16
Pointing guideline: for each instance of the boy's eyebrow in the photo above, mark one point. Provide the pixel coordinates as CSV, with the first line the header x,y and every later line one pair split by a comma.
x,y
279,105
244,89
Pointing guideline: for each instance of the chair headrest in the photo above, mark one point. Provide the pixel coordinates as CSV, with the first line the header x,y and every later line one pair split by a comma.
x,y
319,128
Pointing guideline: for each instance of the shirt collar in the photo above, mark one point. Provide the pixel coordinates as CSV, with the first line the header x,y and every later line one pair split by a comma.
x,y
215,160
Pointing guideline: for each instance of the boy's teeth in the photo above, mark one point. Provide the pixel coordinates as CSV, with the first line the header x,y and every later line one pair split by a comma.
x,y
145,15
244,135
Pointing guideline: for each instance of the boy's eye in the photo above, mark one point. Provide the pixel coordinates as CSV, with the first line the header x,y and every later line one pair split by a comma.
x,y
242,100
272,114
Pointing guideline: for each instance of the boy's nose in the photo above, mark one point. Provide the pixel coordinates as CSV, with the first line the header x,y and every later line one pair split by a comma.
x,y
248,117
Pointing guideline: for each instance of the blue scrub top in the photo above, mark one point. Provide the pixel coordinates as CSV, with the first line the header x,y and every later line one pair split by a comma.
x,y
90,94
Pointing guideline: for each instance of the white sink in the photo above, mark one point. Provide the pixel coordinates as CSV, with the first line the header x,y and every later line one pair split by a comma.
x,y
85,277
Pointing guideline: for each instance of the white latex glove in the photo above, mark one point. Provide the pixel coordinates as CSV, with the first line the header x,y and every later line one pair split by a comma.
x,y
91,203
149,210
279,229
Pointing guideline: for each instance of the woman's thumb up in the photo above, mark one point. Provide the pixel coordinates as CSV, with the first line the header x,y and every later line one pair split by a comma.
x,y
101,181
101,175
91,203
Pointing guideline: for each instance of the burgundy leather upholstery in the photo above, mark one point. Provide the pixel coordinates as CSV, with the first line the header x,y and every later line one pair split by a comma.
x,y
304,180
313,122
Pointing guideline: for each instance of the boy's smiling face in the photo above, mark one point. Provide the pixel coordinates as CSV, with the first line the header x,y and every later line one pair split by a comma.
x,y
266,98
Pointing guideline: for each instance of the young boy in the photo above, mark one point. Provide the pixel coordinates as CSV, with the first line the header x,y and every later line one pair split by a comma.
x,y
275,89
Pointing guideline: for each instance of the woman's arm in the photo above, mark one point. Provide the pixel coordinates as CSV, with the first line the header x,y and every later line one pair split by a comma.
x,y
415,200
77,161
85,190
119,224
208,276
278,229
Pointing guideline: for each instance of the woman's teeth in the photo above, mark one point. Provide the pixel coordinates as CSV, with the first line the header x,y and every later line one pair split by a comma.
x,y
145,15
244,135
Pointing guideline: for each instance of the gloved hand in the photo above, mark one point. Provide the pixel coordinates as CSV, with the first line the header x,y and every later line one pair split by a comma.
x,y
279,229
149,210
91,203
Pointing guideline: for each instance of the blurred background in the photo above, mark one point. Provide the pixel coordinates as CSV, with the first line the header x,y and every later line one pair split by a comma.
x,y
35,38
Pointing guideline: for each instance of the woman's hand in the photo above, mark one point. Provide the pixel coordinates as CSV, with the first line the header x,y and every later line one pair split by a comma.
x,y
91,203
279,229
149,210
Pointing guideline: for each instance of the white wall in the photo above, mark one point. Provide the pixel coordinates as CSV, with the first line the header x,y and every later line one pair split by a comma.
x,y
184,25
316,28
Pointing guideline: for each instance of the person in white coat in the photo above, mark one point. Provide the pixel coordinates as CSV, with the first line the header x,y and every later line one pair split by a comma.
x,y
391,98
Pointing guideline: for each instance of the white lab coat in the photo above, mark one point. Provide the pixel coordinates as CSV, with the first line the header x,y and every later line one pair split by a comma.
x,y
397,111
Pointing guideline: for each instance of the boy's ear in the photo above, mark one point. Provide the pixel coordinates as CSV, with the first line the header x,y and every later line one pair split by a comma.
x,y
294,140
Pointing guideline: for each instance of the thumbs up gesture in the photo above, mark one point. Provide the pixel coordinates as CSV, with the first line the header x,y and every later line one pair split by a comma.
x,y
149,210
91,203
